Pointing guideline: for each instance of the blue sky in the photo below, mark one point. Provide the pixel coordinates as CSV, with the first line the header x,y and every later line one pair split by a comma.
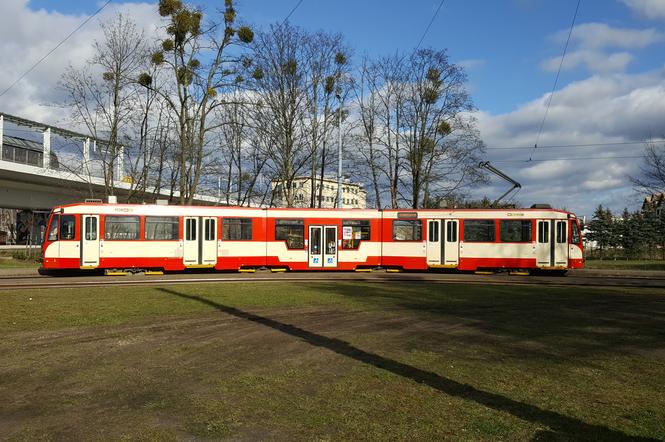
x,y
612,87
505,41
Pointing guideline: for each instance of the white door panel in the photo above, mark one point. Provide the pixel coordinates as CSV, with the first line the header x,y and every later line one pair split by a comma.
x,y
90,241
433,242
315,246
190,253
450,242
208,241
330,249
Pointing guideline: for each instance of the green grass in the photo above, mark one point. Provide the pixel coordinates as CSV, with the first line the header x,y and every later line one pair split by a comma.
x,y
623,264
18,264
333,361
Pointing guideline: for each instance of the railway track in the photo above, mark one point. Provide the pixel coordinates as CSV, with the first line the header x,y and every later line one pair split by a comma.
x,y
8,283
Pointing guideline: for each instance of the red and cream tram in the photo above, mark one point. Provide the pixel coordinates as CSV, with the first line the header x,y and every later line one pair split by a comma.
x,y
90,236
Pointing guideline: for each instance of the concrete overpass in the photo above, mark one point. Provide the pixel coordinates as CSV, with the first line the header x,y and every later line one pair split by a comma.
x,y
32,179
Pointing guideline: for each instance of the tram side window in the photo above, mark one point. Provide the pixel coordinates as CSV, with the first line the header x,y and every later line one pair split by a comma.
x,y
407,230
561,231
479,230
190,229
292,231
90,228
515,230
360,231
121,227
236,229
163,228
575,237
451,231
209,229
543,232
53,232
67,226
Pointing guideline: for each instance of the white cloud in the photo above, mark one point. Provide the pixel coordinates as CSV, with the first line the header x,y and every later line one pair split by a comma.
x,y
471,63
603,108
594,44
602,36
653,9
592,60
27,35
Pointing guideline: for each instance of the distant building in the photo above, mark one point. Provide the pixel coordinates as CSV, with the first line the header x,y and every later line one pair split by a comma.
x,y
654,202
354,196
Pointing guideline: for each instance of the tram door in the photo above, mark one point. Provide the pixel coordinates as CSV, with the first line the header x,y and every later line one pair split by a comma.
x,y
451,242
322,249
90,241
442,243
200,242
434,244
552,243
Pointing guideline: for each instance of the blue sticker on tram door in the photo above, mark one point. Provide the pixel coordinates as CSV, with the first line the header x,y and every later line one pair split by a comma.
x,y
330,260
315,260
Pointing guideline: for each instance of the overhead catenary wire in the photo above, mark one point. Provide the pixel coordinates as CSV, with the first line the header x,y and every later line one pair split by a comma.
x,y
562,146
430,24
556,79
573,159
291,13
22,76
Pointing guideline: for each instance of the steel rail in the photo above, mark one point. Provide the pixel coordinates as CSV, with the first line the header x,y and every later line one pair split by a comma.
x,y
46,283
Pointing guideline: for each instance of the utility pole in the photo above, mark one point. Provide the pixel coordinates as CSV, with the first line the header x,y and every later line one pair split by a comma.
x,y
339,152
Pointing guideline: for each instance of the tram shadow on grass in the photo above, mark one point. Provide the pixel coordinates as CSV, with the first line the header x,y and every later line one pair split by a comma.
x,y
559,424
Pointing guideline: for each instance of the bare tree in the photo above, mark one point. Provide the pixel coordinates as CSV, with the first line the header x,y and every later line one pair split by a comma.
x,y
201,65
652,170
417,138
241,161
367,101
326,69
441,141
102,94
280,83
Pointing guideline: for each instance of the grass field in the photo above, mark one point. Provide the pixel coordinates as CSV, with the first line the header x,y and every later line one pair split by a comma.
x,y
333,361
623,264
10,263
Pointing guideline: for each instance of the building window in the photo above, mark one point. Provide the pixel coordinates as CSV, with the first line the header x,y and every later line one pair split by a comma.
x,y
236,229
67,227
354,231
407,230
292,231
479,230
121,227
515,230
163,228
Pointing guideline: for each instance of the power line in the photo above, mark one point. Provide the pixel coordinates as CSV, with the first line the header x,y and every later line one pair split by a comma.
x,y
556,79
54,49
571,159
561,146
430,24
292,11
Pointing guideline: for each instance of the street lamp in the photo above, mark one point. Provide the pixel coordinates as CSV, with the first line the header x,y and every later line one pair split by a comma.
x,y
339,152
